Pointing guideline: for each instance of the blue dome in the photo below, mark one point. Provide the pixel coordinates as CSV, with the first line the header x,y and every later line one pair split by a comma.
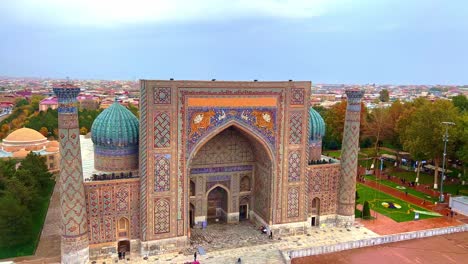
x,y
316,125
115,127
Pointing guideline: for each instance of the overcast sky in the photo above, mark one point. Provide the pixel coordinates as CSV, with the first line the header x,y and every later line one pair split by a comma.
x,y
325,41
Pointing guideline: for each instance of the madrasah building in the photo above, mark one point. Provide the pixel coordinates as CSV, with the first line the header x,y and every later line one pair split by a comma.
x,y
200,151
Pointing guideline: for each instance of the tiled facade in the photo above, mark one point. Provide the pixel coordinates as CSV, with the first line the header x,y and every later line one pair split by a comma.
x,y
227,150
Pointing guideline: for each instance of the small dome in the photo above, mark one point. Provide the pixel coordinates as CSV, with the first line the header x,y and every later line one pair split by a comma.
x,y
24,135
53,143
116,126
22,153
52,149
316,125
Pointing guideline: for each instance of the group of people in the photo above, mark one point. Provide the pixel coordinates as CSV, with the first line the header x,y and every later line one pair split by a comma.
x,y
265,230
121,254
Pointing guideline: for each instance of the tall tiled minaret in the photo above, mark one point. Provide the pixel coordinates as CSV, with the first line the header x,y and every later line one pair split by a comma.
x,y
75,244
349,159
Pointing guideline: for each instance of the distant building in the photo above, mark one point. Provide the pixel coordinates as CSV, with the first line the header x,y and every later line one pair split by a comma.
x,y
48,103
19,143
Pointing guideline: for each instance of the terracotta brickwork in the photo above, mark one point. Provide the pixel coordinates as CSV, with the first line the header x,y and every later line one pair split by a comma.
x,y
323,184
349,154
106,203
74,225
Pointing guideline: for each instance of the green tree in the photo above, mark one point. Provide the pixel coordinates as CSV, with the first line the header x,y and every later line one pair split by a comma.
x,y
15,222
366,211
36,165
460,102
21,102
134,110
384,95
35,100
421,130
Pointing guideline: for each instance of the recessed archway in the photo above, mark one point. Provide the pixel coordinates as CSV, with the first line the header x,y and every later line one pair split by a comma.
x,y
217,204
233,156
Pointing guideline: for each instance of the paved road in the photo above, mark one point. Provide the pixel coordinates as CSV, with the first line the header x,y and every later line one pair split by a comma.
x,y
439,249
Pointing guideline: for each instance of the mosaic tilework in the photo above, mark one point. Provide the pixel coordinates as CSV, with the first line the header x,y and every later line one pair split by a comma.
x,y
203,120
122,196
162,172
108,229
323,184
294,169
161,216
162,95
293,202
74,220
143,159
221,169
95,230
107,201
93,200
125,203
295,128
162,130
349,154
297,96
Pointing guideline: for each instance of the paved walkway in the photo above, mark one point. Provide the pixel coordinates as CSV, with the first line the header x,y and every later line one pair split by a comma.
x,y
447,249
270,252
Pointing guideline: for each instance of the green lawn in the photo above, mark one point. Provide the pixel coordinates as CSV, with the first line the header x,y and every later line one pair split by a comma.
x,y
376,198
38,222
409,190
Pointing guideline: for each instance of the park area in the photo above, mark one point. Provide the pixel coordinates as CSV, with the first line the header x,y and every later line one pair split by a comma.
x,y
388,205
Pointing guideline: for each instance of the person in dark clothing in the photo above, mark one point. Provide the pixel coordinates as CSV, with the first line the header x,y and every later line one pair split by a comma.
x,y
271,234
195,256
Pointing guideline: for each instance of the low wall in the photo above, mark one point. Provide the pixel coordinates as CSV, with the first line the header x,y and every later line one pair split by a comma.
x,y
290,254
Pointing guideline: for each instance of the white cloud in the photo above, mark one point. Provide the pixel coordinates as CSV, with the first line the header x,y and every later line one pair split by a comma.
x,y
115,12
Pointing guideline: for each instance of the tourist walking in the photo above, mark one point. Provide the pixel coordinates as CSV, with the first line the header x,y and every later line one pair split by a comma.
x,y
195,256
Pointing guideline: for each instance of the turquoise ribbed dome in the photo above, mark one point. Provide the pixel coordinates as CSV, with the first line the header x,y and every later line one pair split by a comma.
x,y
115,127
316,125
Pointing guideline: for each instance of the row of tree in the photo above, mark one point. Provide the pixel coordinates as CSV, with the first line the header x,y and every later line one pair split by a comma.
x,y
415,127
24,190
27,114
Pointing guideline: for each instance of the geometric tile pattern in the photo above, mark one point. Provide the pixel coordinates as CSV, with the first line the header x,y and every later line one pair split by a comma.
x,y
294,171
297,96
162,95
323,184
229,146
295,128
122,196
143,159
162,172
293,202
161,216
115,200
74,221
350,148
162,130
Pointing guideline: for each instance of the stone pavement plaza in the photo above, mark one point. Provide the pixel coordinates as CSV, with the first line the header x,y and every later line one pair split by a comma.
x,y
226,243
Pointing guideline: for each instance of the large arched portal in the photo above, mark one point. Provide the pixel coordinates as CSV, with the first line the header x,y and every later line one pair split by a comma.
x,y
232,165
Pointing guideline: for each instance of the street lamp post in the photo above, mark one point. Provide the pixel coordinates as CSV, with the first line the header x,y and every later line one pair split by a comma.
x,y
447,124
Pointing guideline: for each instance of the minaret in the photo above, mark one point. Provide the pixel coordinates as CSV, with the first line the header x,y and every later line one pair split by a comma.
x,y
349,159
75,243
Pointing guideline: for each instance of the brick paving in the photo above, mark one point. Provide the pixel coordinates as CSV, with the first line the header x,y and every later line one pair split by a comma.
x,y
447,249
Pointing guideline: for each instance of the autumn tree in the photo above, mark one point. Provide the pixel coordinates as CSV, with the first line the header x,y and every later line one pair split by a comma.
x,y
334,121
35,100
44,131
384,95
421,130
83,131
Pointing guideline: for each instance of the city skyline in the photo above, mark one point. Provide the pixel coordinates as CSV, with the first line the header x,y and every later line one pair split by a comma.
x,y
389,42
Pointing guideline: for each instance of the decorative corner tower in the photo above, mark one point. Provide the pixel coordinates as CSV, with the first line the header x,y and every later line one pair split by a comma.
x,y
75,243
349,159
